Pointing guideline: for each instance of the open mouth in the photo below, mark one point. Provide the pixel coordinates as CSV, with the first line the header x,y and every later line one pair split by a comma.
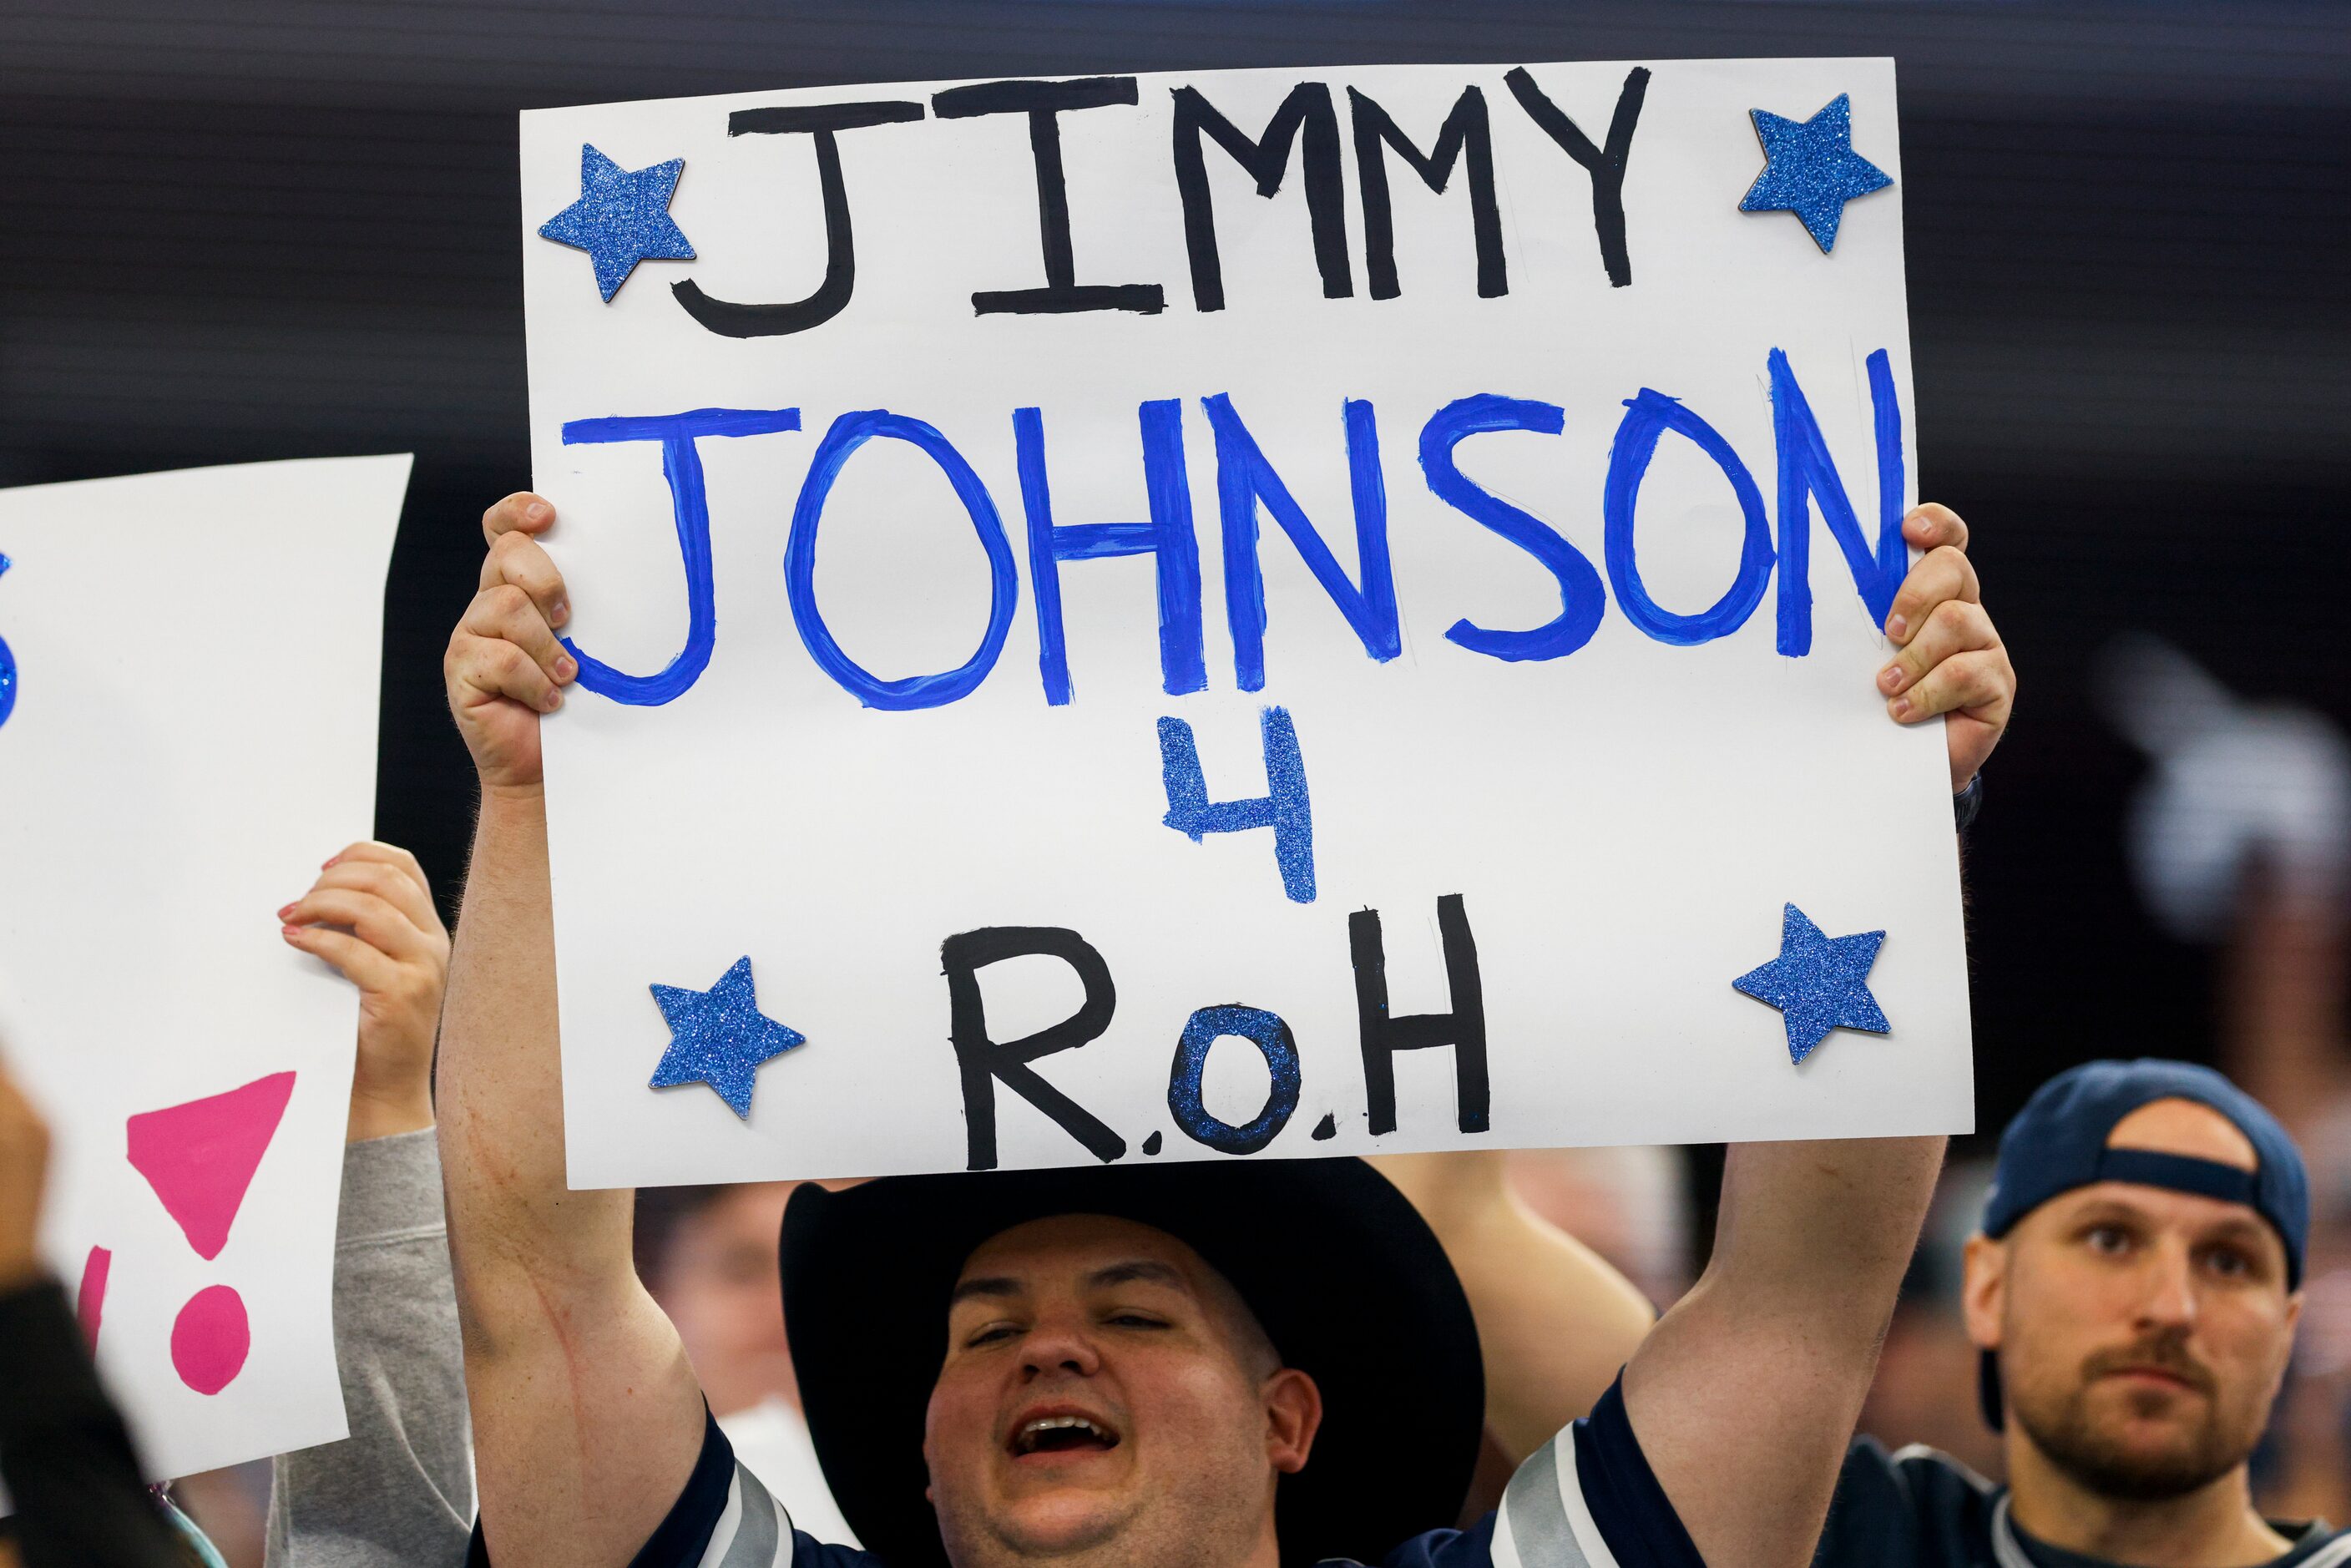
x,y
1061,1435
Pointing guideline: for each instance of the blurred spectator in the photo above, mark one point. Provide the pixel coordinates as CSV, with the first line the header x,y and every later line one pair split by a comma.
x,y
708,1256
2240,838
1925,1387
1630,1205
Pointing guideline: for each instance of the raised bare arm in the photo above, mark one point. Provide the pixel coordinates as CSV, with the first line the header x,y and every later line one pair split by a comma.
x,y
1556,1321
587,1418
1745,1395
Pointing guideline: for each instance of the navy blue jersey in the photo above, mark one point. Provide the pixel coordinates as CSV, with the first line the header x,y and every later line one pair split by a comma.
x,y
1919,1508
1586,1499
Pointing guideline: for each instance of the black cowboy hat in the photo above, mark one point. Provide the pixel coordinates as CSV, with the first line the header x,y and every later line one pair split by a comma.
x,y
1347,1280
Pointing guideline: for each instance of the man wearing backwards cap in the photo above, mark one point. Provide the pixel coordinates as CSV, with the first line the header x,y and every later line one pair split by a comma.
x,y
1212,1366
2134,1289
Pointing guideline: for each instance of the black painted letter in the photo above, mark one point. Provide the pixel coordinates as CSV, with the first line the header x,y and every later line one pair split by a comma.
x,y
1605,165
733,320
1465,127
1267,159
1042,102
984,1060
1463,1029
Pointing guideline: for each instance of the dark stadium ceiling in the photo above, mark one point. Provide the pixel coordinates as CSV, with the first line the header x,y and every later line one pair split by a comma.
x,y
261,229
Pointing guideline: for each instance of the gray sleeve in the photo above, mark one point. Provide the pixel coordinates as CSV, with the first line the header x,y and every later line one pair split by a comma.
x,y
399,1489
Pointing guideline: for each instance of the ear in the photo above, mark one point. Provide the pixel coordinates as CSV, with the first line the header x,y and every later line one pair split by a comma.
x,y
1293,1414
1983,1293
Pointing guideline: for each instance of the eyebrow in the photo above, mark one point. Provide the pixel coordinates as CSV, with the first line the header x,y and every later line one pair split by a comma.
x,y
1139,1269
1129,1273
987,1285
2235,1228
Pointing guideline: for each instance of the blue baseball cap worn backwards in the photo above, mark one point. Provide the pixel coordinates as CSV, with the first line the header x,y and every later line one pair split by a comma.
x,y
2058,1143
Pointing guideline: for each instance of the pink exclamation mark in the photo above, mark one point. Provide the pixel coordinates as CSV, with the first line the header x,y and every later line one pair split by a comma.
x,y
200,1157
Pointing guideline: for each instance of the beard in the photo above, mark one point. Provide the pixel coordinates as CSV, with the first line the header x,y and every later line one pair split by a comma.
x,y
2064,1424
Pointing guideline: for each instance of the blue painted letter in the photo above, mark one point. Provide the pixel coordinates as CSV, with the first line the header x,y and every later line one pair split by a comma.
x,y
1805,472
1647,419
7,670
848,432
1168,536
1184,1103
1243,479
1582,600
681,466
1284,806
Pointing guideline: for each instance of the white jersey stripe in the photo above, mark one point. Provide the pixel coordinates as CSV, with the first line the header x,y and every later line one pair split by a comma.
x,y
1579,1512
1543,1521
1536,1517
756,1535
752,1531
2334,1555
722,1534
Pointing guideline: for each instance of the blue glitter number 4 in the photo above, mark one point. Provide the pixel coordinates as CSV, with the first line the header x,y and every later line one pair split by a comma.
x,y
7,670
1284,806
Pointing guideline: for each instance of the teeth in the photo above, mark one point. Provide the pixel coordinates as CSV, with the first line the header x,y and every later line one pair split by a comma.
x,y
1030,1431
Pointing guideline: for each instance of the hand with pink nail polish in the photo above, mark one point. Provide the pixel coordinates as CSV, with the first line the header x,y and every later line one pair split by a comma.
x,y
1950,660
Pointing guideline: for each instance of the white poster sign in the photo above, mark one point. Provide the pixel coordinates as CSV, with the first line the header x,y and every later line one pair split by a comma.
x,y
188,728
1243,613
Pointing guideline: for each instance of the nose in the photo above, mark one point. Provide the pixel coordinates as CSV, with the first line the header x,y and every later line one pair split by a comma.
x,y
1058,1342
2170,1298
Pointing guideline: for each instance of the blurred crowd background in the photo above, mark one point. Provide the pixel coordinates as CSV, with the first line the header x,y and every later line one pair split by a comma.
x,y
262,228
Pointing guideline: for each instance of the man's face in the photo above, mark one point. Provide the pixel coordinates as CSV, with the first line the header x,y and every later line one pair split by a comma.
x,y
2142,1332
1105,1397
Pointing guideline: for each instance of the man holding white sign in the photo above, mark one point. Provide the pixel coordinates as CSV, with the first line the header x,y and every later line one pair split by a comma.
x,y
1129,1370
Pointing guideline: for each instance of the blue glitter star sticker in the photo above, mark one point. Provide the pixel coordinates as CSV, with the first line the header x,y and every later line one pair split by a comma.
x,y
1818,983
719,1037
1811,169
621,218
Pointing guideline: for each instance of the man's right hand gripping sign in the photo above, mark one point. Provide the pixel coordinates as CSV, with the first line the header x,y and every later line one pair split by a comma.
x,y
1122,1366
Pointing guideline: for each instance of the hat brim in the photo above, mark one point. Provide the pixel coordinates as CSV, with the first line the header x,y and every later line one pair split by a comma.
x,y
1347,1280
